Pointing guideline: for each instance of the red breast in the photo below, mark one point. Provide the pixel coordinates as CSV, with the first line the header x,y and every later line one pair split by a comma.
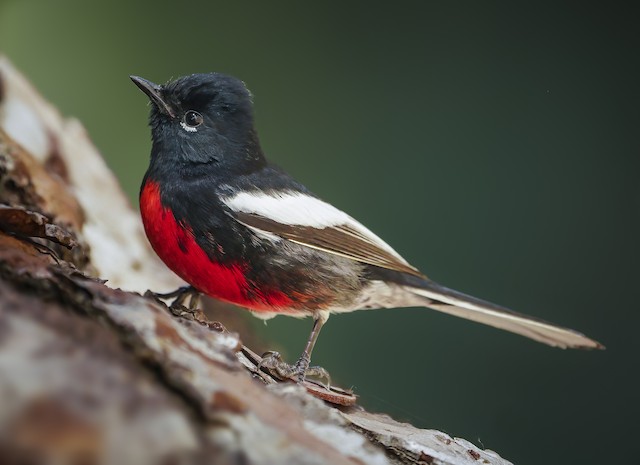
x,y
175,244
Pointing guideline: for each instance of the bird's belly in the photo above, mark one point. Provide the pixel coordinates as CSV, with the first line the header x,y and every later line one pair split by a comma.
x,y
176,246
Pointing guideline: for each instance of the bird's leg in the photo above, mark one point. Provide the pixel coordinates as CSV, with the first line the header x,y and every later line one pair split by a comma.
x,y
273,361
303,362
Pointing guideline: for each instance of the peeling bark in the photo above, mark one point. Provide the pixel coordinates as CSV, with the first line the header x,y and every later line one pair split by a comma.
x,y
90,373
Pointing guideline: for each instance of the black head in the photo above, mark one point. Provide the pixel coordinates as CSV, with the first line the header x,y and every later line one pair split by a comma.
x,y
202,118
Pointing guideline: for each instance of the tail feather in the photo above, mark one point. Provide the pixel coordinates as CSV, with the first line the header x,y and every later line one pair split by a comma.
x,y
456,303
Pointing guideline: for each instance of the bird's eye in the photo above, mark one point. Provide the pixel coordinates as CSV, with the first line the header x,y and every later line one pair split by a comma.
x,y
193,119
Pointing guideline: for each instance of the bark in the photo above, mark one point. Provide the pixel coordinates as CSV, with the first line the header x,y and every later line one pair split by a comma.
x,y
91,371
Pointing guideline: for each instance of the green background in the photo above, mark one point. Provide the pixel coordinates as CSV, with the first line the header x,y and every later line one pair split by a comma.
x,y
494,145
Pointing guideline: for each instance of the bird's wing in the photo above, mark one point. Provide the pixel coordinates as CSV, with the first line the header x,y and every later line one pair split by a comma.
x,y
309,221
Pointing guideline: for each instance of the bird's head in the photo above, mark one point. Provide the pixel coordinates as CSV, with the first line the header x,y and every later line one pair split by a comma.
x,y
202,118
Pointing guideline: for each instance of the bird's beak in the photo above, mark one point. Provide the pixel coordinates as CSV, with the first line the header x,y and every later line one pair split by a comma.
x,y
153,91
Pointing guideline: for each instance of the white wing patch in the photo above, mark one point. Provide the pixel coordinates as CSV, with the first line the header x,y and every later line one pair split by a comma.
x,y
292,208
298,209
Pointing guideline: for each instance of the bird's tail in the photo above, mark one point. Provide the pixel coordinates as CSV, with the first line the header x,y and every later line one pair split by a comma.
x,y
456,303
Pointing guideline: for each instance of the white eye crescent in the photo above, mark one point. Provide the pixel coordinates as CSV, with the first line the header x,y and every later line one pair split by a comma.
x,y
191,120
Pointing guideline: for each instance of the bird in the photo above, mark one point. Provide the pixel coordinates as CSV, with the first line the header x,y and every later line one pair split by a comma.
x,y
241,230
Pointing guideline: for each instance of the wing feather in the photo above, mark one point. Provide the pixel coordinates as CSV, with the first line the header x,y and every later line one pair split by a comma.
x,y
338,240
309,221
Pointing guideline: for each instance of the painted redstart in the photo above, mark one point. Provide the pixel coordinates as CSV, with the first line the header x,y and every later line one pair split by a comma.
x,y
241,230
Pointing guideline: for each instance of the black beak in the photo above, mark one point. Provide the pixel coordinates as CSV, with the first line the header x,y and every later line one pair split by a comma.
x,y
153,91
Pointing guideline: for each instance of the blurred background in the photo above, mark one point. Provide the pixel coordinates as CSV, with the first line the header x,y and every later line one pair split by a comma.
x,y
494,145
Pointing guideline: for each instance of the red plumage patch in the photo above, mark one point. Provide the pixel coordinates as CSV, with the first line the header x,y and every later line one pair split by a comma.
x,y
176,246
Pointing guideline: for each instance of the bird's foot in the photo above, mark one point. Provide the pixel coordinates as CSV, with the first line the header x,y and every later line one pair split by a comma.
x,y
297,372
180,297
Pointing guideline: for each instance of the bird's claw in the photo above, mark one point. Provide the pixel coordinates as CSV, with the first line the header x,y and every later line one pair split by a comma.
x,y
272,361
180,297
